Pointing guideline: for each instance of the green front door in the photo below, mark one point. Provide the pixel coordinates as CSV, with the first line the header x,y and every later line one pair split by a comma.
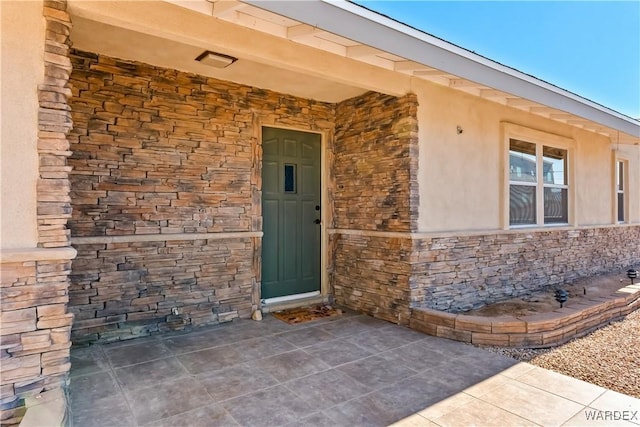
x,y
291,212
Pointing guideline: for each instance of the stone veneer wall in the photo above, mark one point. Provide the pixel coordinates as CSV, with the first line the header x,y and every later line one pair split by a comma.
x,y
459,273
35,326
372,275
375,163
376,192
166,195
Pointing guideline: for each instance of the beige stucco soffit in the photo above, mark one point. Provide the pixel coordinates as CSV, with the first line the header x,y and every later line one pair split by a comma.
x,y
188,22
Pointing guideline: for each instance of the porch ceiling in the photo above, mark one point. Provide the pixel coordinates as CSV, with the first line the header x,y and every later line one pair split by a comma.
x,y
123,43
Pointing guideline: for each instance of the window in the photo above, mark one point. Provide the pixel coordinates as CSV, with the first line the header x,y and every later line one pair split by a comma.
x,y
538,184
523,183
621,172
289,178
556,190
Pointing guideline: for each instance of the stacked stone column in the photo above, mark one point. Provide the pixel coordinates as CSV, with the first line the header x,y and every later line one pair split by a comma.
x,y
375,203
35,328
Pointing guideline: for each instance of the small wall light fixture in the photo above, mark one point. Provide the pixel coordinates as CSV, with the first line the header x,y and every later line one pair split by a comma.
x,y
632,274
217,60
459,129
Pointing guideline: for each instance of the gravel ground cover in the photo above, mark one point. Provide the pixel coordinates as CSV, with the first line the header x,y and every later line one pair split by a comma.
x,y
608,357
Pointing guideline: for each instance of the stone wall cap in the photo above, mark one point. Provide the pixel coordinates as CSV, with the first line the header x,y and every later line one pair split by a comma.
x,y
167,237
473,318
36,254
505,319
541,317
626,290
438,234
439,313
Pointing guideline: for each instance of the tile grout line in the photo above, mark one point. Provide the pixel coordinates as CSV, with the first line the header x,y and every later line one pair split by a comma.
x,y
558,395
329,368
370,392
122,392
524,417
211,400
269,335
506,410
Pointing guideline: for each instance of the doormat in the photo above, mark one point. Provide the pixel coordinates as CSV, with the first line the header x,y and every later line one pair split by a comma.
x,y
306,314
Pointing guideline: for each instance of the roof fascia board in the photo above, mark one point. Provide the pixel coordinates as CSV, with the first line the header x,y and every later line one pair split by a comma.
x,y
364,26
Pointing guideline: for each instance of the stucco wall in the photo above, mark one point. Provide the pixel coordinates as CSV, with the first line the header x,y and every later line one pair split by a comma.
x,y
461,173
21,72
595,179
166,191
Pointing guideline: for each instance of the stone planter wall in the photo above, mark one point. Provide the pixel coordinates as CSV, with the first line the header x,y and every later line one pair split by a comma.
x,y
166,191
460,273
541,330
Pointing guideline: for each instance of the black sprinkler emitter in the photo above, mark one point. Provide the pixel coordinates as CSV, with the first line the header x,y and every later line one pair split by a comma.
x,y
561,296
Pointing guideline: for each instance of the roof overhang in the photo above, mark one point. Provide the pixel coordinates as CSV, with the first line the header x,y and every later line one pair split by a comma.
x,y
364,26
346,48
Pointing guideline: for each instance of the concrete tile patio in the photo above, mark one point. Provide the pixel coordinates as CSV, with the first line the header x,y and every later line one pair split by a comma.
x,y
349,371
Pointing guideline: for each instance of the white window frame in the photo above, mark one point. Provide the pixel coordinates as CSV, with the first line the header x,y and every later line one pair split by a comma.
x,y
625,189
540,139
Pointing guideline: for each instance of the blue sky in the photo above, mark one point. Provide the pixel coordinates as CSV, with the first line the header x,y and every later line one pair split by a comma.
x,y
591,48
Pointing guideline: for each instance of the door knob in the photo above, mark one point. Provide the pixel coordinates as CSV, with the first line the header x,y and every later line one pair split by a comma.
x,y
317,221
